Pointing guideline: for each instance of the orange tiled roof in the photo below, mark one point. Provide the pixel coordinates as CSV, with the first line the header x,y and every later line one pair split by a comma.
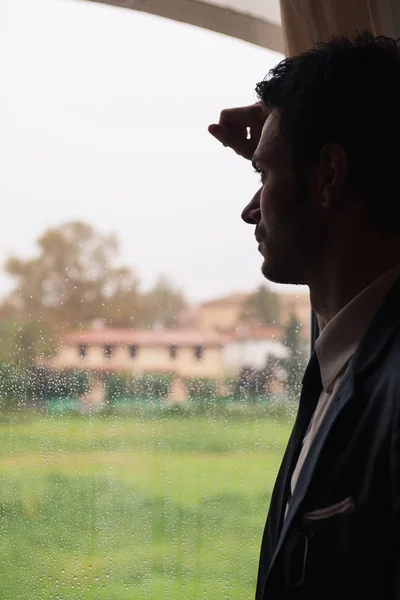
x,y
257,332
145,337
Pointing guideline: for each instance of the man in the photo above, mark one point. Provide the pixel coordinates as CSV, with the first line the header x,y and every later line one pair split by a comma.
x,y
325,139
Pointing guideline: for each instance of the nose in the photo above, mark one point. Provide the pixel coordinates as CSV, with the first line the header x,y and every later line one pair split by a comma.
x,y
251,213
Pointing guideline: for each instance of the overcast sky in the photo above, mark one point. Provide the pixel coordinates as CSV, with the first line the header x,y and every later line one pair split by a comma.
x,y
103,117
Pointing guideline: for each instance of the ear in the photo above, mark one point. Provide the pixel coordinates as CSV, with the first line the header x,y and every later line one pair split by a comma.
x,y
334,167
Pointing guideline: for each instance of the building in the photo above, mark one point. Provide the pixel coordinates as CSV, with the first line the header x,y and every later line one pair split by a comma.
x,y
183,353
226,314
221,314
253,348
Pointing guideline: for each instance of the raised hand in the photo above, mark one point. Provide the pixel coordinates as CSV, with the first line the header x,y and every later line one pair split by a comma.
x,y
240,128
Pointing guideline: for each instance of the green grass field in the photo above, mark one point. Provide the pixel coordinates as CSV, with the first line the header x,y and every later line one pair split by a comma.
x,y
115,508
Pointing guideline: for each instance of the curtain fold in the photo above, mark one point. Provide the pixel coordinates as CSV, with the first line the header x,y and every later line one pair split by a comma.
x,y
305,22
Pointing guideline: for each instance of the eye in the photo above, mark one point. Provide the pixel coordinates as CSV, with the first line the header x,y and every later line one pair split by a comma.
x,y
260,173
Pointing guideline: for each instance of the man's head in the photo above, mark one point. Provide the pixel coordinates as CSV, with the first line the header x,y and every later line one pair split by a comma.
x,y
329,155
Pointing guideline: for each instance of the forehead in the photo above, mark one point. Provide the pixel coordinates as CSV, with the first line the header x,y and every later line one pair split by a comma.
x,y
272,145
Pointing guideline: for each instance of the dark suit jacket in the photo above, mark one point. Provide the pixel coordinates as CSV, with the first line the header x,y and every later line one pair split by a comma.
x,y
341,535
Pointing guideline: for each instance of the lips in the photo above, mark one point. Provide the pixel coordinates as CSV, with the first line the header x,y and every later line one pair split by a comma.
x,y
258,233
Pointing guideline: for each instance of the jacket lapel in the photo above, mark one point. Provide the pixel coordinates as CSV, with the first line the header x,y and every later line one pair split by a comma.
x,y
344,393
311,390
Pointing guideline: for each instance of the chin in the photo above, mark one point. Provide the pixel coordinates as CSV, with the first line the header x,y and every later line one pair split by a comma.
x,y
281,272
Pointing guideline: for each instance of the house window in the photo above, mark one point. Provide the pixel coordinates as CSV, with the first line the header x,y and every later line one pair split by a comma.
x,y
173,351
198,352
108,350
133,350
82,350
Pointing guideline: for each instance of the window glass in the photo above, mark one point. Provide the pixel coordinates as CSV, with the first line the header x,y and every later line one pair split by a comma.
x,y
148,374
133,350
108,351
173,351
198,352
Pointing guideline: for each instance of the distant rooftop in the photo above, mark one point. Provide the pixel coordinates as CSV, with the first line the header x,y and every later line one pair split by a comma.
x,y
257,332
169,337
231,300
145,337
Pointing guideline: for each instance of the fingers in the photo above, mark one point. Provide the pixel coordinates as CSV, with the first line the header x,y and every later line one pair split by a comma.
x,y
244,116
233,125
238,142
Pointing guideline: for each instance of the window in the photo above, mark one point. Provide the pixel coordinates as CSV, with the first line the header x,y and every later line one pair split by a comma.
x,y
108,351
173,351
104,490
198,352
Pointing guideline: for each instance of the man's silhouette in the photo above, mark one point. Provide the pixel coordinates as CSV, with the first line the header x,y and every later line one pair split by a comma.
x,y
325,140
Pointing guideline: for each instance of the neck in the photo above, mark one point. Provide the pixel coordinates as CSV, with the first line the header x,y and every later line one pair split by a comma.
x,y
343,277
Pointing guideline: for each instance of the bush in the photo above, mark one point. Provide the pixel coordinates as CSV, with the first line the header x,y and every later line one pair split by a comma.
x,y
153,386
47,383
116,386
123,385
15,384
251,384
20,384
204,389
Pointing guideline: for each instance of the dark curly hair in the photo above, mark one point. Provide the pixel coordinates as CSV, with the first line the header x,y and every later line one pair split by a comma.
x,y
346,92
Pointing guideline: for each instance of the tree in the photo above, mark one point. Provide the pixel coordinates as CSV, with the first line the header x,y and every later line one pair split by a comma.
x,y
161,305
21,340
262,306
297,360
73,280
